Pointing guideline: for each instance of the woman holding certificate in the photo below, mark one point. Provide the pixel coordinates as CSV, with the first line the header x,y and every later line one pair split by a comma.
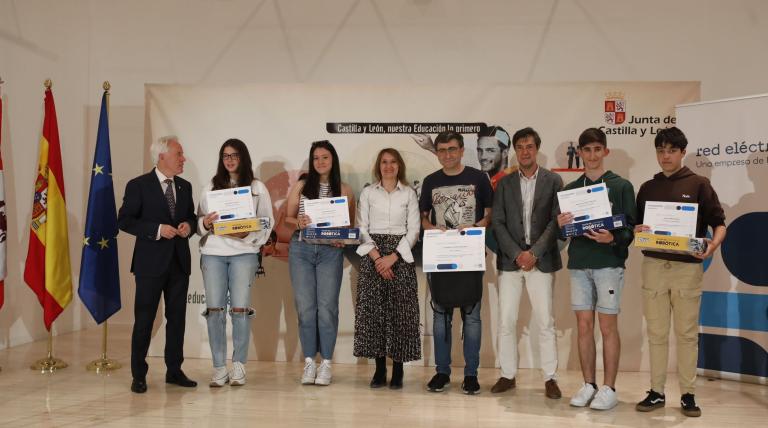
x,y
387,308
316,268
229,263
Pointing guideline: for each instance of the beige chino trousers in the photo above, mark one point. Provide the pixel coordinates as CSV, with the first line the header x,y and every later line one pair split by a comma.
x,y
672,290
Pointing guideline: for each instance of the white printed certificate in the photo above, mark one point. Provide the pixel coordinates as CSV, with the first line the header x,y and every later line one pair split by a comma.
x,y
671,218
454,251
327,212
586,203
231,204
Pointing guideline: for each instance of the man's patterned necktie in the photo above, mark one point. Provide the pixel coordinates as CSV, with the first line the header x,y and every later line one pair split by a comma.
x,y
169,197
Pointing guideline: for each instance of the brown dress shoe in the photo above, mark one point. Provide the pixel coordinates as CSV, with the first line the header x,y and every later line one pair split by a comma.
x,y
552,390
503,384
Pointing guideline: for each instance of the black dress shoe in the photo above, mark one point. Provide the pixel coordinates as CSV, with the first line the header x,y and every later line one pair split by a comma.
x,y
139,386
180,379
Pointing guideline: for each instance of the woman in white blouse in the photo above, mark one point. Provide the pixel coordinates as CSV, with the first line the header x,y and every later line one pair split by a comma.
x,y
229,264
387,307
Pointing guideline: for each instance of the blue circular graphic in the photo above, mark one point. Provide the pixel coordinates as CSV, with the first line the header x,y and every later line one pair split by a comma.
x,y
744,248
708,260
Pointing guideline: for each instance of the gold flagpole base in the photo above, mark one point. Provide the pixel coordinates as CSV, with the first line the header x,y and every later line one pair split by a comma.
x,y
103,364
48,365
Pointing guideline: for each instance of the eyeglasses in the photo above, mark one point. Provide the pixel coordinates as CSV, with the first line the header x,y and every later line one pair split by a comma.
x,y
230,156
451,150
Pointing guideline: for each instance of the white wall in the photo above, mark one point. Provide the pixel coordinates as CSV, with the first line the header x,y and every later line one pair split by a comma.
x,y
80,43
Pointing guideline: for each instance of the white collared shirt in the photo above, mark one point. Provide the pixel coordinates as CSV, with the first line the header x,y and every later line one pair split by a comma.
x,y
392,213
527,190
163,184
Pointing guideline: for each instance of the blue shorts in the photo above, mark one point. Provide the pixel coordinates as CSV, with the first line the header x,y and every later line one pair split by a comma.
x,y
597,289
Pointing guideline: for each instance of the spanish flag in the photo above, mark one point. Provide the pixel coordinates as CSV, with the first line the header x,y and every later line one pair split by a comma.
x,y
47,270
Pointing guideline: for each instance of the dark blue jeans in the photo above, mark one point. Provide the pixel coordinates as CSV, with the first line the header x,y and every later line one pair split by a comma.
x,y
441,330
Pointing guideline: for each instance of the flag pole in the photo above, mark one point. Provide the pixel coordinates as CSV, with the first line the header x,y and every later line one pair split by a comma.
x,y
49,364
104,364
1,124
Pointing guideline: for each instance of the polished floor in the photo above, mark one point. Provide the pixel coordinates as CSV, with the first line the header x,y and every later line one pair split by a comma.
x,y
73,397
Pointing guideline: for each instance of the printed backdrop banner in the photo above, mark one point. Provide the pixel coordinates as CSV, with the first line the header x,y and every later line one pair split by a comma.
x,y
278,123
728,142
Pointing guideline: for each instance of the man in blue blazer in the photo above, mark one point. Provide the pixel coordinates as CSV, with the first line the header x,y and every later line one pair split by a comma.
x,y
158,210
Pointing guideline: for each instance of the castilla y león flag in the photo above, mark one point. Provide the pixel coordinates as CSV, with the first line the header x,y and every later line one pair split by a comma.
x,y
47,270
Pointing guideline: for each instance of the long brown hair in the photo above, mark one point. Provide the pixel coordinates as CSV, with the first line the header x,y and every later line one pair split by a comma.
x,y
244,169
400,165
311,189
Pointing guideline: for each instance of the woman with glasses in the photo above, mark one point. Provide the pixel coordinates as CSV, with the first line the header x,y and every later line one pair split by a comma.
x,y
229,264
387,309
316,269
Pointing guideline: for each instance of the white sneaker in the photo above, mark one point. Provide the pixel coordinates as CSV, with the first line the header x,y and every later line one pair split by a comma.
x,y
220,377
310,372
605,399
583,396
324,373
237,375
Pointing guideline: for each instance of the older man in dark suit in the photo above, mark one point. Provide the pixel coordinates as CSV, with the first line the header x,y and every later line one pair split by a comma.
x,y
158,210
525,225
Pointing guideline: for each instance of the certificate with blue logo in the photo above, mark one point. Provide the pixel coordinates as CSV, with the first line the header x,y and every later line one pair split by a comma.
x,y
231,204
591,210
454,250
327,212
671,218
586,203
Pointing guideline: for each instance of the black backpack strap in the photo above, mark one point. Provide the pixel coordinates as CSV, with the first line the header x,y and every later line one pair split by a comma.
x,y
464,317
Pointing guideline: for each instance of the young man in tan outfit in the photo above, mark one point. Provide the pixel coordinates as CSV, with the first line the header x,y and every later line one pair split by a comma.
x,y
672,282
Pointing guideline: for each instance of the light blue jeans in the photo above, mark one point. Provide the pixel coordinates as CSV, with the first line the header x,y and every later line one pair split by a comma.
x,y
316,279
597,289
228,280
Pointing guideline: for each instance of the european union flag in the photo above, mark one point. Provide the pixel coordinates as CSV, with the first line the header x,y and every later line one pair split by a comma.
x,y
99,271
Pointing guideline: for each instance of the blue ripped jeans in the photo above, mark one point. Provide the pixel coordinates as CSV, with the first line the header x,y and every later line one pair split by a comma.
x,y
228,280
